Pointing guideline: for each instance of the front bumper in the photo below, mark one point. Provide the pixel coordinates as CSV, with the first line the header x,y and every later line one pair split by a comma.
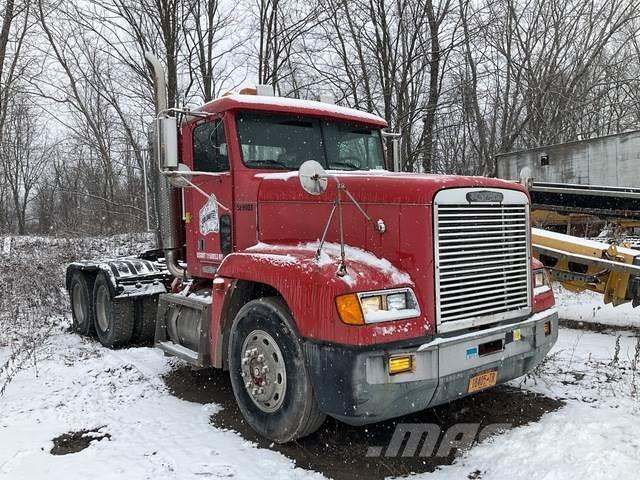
x,y
354,386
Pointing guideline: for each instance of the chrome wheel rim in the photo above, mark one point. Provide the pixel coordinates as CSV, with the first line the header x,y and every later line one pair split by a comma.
x,y
79,307
102,299
263,371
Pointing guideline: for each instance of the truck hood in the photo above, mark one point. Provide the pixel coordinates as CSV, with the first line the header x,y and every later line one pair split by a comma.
x,y
377,186
288,217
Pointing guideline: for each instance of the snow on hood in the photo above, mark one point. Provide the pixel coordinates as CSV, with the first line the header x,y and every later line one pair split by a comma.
x,y
330,255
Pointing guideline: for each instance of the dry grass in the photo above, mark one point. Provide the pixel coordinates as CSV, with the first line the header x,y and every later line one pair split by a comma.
x,y
33,300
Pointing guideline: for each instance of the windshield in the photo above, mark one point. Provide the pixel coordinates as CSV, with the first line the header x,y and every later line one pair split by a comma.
x,y
284,142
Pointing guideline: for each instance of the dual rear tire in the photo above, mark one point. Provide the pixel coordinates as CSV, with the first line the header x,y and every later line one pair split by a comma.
x,y
116,322
80,292
266,361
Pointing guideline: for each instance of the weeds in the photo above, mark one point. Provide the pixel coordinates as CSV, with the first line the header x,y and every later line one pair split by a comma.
x,y
33,300
589,378
635,365
616,352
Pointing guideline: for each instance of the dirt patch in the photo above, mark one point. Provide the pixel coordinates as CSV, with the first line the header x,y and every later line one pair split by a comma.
x,y
74,442
598,327
339,451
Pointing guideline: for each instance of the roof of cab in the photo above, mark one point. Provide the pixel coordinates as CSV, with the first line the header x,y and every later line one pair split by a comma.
x,y
291,105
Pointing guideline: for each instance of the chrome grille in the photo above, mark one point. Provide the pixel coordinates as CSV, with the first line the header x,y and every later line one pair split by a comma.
x,y
482,259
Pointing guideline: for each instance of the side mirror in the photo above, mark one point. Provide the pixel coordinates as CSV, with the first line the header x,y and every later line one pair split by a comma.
x,y
166,133
180,177
526,177
313,179
395,152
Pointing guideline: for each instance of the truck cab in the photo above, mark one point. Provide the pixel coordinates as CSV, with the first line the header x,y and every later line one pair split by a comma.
x,y
245,139
377,295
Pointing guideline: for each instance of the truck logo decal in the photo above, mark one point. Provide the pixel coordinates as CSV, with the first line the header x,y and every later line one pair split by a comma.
x,y
471,353
209,220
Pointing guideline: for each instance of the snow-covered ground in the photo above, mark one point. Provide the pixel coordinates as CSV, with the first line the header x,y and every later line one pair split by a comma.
x,y
78,385
68,384
588,307
596,435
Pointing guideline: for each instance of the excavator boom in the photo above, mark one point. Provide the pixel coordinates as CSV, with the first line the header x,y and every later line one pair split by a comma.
x,y
580,264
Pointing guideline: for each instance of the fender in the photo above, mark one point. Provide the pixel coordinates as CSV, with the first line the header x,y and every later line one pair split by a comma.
x,y
128,276
293,271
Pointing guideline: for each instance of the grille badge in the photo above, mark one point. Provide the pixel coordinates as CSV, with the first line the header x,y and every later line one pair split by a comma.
x,y
485,196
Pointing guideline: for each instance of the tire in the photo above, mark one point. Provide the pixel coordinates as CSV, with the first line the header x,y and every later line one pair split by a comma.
x,y
80,296
286,410
113,320
144,329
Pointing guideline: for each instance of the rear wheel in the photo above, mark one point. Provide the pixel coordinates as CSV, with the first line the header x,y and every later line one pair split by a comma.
x,y
114,319
80,289
268,374
144,329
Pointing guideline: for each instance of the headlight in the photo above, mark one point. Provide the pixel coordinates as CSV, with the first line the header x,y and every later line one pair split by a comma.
x,y
397,301
371,304
375,307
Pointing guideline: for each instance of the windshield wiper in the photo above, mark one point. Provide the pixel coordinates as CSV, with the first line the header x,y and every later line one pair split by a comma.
x,y
345,166
271,163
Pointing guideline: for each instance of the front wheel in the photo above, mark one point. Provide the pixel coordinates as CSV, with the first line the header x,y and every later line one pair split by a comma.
x,y
268,374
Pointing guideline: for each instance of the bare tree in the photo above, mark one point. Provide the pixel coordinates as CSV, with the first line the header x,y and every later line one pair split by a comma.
x,y
23,154
281,27
388,57
435,18
13,32
7,19
207,30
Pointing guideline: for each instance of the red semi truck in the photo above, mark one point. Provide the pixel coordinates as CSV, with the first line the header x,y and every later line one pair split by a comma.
x,y
353,292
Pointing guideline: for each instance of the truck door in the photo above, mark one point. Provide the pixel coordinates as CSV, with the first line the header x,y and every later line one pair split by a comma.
x,y
208,219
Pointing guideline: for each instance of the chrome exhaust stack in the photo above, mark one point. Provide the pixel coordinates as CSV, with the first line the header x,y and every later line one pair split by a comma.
x,y
166,155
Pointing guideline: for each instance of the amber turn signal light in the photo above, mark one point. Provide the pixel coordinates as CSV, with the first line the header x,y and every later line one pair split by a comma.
x,y
349,309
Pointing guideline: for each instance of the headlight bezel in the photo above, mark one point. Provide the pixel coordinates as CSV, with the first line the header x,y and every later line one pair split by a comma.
x,y
383,314
541,281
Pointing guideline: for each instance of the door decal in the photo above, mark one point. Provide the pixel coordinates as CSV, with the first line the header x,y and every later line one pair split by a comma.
x,y
209,220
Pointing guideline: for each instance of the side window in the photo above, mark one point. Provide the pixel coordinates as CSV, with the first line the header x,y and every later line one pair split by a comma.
x,y
210,147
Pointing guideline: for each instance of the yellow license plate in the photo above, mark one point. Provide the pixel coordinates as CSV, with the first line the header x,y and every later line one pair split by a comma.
x,y
483,380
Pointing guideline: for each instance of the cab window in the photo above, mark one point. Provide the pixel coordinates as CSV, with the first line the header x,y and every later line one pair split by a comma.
x,y
279,142
210,147
353,147
284,142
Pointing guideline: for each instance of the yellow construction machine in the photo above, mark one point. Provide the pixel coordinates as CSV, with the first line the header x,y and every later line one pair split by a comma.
x,y
585,187
580,264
